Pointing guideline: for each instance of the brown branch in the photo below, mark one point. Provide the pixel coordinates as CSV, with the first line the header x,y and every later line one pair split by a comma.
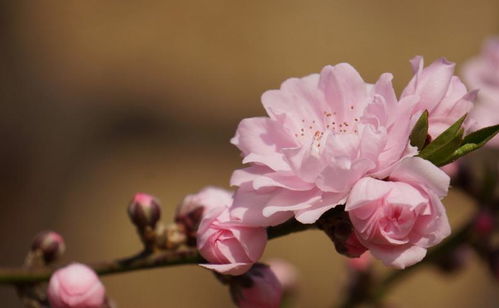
x,y
182,256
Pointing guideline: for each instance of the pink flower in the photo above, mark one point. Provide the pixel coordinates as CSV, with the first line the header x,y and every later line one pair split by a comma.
x,y
482,72
441,93
262,290
230,246
75,286
207,199
324,132
285,272
399,218
190,211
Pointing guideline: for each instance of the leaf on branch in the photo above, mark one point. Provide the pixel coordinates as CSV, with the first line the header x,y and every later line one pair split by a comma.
x,y
420,131
473,142
445,144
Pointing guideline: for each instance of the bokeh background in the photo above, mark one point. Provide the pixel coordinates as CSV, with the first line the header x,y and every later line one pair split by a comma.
x,y
102,99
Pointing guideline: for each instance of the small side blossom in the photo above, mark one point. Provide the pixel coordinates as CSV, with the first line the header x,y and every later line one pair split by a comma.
x,y
76,286
482,72
441,93
190,211
229,246
397,219
257,288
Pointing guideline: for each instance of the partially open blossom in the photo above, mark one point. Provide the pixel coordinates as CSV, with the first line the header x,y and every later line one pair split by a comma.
x,y
482,72
441,93
191,209
75,286
397,219
286,273
258,288
324,132
228,245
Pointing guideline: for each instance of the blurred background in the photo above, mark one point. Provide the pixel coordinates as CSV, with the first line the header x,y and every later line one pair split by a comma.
x,y
102,99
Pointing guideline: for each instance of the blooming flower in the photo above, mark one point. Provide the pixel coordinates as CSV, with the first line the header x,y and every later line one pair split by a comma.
x,y
441,93
399,218
258,288
75,286
230,246
482,72
324,132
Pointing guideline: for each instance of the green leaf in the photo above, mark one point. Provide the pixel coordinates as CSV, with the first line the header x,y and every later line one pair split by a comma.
x,y
420,131
440,157
444,142
473,142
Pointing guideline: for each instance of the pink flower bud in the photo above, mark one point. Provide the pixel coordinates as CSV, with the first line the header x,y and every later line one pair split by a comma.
x,y
144,210
190,212
76,286
360,264
257,288
286,273
51,245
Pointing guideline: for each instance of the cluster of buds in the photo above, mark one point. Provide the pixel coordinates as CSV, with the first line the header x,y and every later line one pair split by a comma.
x,y
145,212
338,227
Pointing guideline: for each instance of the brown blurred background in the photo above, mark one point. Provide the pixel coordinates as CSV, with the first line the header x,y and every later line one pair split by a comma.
x,y
101,99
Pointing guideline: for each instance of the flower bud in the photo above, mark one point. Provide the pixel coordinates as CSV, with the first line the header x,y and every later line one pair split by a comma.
x,y
360,264
49,244
286,273
190,212
144,211
259,287
76,286
340,230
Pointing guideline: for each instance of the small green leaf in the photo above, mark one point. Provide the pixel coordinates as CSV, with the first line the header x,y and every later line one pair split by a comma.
x,y
420,131
440,157
444,141
473,142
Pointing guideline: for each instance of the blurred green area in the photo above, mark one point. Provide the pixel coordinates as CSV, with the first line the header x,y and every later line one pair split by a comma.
x,y
101,99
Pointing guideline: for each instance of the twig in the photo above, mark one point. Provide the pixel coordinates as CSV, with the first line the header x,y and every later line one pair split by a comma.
x,y
182,256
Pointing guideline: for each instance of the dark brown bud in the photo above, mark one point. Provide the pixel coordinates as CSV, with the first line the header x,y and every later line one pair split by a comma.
x,y
144,211
50,245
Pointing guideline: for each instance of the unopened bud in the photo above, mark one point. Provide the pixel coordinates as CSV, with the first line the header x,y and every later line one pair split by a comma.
x,y
259,287
338,227
144,210
190,211
360,264
50,245
286,273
